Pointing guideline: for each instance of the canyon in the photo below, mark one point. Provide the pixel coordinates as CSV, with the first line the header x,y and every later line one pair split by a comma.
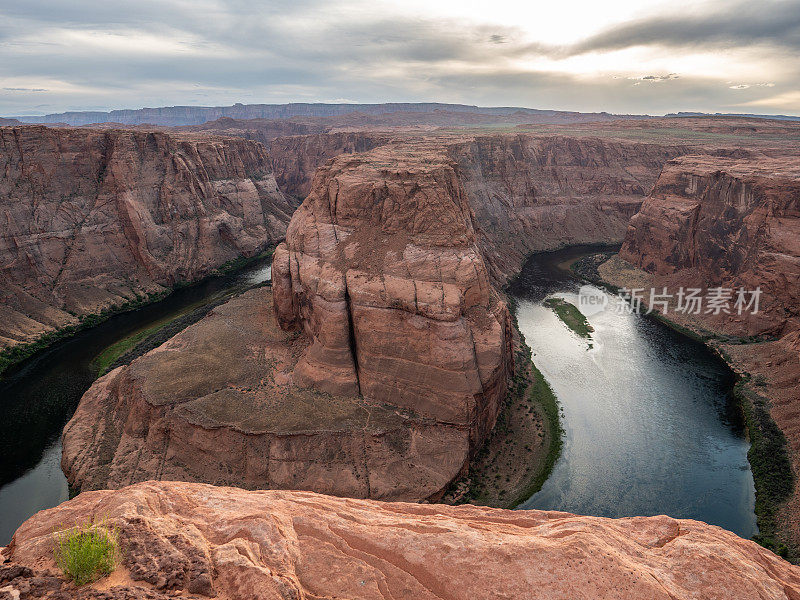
x,y
182,539
388,282
377,362
93,219
734,223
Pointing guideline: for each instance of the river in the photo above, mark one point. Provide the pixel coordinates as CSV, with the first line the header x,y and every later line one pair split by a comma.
x,y
38,397
650,426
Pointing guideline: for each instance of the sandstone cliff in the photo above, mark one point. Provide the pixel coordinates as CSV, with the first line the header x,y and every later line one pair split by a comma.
x,y
734,222
532,193
183,539
381,269
295,159
218,404
396,358
93,218
529,192
387,287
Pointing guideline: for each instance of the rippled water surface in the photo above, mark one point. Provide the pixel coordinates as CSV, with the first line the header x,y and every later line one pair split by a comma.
x,y
649,425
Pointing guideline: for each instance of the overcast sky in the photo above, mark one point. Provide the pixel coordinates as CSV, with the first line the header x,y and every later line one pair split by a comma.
x,y
642,56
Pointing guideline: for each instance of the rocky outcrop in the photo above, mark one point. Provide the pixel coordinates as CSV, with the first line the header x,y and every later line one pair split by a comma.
x,y
393,361
218,403
93,218
381,269
183,539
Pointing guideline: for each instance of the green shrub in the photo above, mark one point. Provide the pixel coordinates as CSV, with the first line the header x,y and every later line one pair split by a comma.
x,y
87,552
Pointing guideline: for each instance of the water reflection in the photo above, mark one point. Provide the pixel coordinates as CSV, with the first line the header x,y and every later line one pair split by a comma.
x,y
646,412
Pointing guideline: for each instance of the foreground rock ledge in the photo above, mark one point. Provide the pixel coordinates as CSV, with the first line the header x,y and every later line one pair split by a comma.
x,y
183,538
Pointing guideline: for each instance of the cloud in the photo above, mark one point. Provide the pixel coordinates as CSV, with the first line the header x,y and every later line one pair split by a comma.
x,y
86,54
656,78
775,23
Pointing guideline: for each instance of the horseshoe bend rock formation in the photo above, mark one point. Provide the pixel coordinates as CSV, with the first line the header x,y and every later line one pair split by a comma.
x,y
396,350
381,268
395,357
227,543
216,403
92,218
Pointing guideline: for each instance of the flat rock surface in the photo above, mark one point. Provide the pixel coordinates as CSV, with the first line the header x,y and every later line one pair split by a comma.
x,y
204,541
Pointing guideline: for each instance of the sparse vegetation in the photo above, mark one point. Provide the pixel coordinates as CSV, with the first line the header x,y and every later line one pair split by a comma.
x,y
87,552
769,461
517,458
571,316
16,354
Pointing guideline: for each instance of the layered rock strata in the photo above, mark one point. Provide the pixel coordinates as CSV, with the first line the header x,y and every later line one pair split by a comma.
x,y
532,193
92,218
381,269
398,340
388,284
734,224
714,221
218,403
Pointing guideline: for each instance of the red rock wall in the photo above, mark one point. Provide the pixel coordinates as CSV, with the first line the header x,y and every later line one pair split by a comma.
x,y
735,222
732,222
381,269
91,218
295,159
532,193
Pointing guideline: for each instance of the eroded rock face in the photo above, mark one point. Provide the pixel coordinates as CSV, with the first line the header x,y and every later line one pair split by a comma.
x,y
181,538
733,222
382,271
532,193
92,218
295,159
385,285
217,403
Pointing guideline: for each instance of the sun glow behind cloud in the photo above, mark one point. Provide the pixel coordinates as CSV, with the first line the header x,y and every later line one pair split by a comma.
x,y
649,56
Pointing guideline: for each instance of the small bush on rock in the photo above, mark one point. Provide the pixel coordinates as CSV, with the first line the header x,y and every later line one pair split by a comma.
x,y
87,552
